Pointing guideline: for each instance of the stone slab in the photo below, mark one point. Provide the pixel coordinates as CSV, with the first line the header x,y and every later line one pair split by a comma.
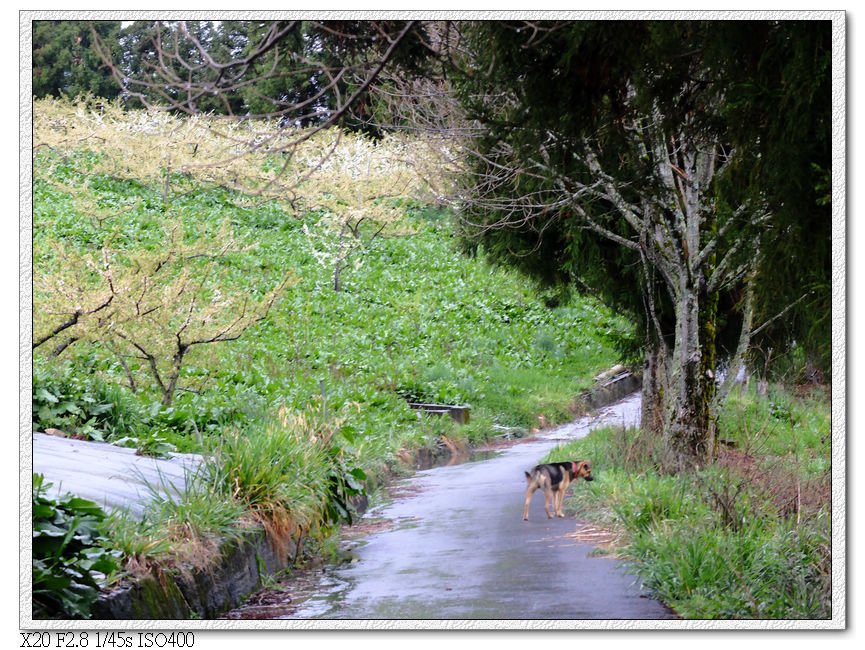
x,y
113,477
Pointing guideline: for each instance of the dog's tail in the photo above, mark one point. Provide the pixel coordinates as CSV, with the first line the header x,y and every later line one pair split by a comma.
x,y
539,477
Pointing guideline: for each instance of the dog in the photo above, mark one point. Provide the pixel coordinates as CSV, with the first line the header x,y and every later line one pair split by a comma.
x,y
554,479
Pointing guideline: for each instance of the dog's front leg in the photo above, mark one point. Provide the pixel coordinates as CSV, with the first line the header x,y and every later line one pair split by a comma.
x,y
560,499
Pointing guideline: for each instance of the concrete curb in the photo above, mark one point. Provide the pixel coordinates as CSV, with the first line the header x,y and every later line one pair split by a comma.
x,y
184,592
611,390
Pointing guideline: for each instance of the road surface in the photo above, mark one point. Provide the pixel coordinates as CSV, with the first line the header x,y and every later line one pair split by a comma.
x,y
455,547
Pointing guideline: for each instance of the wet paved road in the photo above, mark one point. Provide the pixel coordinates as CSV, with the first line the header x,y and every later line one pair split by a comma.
x,y
459,549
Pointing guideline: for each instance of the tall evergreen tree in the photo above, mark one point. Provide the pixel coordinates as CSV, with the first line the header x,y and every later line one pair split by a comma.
x,y
65,63
300,72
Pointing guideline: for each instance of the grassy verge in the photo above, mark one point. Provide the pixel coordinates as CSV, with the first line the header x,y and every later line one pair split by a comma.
x,y
750,536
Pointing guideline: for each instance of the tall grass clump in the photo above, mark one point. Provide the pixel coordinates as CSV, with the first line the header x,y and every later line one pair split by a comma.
x,y
280,478
761,570
295,474
179,527
746,537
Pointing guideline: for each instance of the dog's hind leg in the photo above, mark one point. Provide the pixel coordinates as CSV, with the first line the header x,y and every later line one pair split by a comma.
x,y
549,495
529,492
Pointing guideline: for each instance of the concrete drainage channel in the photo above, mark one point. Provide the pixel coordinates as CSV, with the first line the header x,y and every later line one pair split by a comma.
x,y
187,592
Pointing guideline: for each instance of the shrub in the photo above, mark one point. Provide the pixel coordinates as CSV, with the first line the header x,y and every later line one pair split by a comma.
x,y
271,470
78,403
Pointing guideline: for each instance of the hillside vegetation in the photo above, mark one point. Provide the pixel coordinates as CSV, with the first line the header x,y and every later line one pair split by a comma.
x,y
184,306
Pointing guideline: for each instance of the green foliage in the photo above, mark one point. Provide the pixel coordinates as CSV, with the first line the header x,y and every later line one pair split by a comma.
x,y
70,561
140,541
281,477
747,537
182,527
79,398
296,472
194,515
780,106
760,572
656,499
415,318
345,479
65,398
153,446
778,424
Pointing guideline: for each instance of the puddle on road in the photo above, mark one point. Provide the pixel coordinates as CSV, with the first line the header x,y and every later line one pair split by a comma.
x,y
429,460
316,590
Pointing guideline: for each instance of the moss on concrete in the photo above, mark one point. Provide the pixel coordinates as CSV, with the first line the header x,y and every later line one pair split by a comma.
x,y
186,592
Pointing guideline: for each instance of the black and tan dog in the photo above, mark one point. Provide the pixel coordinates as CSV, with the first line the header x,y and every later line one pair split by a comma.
x,y
554,479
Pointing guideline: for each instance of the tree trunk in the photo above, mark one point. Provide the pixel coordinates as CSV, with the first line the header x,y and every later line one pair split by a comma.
x,y
337,272
653,390
688,167
169,389
707,374
689,427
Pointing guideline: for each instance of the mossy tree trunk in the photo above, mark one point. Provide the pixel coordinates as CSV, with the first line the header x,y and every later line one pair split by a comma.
x,y
689,427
